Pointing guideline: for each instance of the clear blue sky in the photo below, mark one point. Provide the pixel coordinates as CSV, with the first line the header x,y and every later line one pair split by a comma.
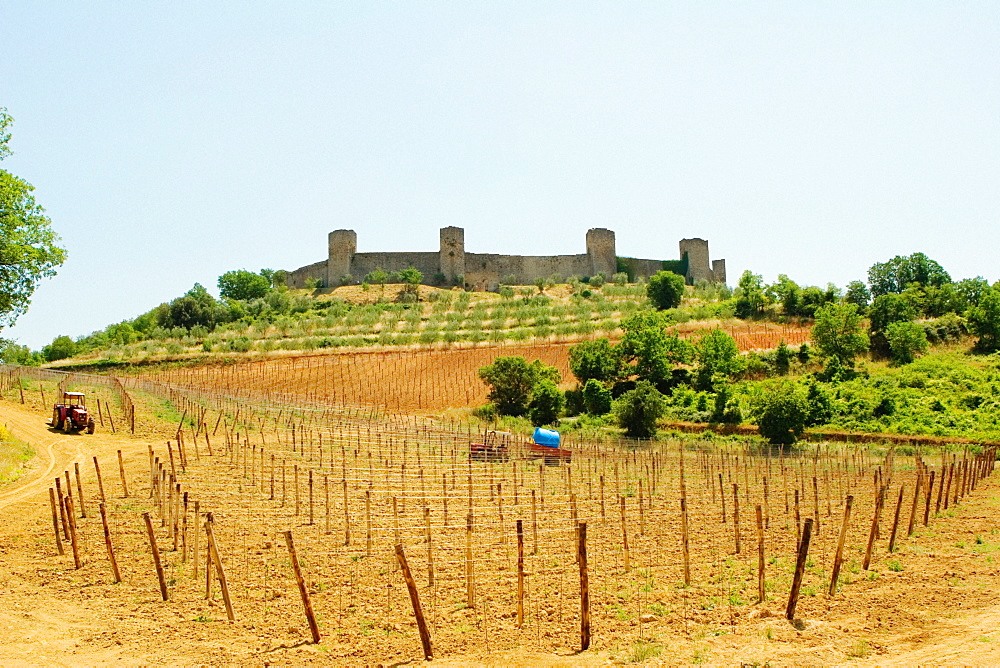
x,y
171,142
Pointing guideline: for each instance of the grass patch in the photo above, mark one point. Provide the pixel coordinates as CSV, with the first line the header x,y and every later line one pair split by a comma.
x,y
643,651
14,454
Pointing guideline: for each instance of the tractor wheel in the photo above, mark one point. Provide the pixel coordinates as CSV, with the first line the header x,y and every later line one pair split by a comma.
x,y
90,426
56,422
68,424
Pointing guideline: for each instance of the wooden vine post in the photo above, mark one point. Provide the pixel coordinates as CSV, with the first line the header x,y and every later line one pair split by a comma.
x,y
156,556
107,542
685,549
800,565
55,520
470,590
520,574
584,589
760,555
303,591
895,520
213,555
411,586
839,558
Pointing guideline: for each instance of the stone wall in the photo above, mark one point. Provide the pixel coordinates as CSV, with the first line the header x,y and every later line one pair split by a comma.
x,y
485,271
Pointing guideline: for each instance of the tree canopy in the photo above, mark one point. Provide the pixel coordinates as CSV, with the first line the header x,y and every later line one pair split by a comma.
x,y
899,272
838,334
29,249
512,382
244,285
665,289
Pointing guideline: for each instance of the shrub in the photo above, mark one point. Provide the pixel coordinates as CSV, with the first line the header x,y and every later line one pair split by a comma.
x,y
596,397
638,410
665,289
782,413
906,341
620,278
547,403
512,380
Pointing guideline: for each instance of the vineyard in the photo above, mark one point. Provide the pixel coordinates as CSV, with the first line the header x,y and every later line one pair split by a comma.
x,y
277,510
410,380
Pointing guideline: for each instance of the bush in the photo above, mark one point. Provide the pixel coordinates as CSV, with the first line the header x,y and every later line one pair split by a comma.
x,y
547,403
638,410
512,381
782,413
665,289
596,398
906,341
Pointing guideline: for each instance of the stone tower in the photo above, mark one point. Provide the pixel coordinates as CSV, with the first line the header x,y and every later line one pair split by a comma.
x,y
698,265
342,245
719,271
601,249
452,252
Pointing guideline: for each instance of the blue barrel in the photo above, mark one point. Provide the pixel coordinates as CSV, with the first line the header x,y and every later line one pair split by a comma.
x,y
547,437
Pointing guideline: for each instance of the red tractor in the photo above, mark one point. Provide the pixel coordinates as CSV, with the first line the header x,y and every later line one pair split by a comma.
x,y
71,415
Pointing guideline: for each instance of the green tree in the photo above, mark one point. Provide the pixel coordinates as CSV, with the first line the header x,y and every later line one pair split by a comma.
x,y
29,249
750,295
411,277
858,294
782,412
837,332
782,358
547,403
512,381
637,411
12,353
243,285
60,348
665,289
718,359
984,320
786,292
902,270
196,307
596,397
596,359
649,352
906,341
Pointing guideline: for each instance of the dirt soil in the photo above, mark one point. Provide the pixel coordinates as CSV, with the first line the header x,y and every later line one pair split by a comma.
x,y
940,609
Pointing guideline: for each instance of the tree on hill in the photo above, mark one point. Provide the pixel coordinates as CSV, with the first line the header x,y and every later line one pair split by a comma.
x,y
597,359
750,295
638,410
243,285
665,289
838,334
718,359
649,352
984,320
512,382
899,272
29,249
782,412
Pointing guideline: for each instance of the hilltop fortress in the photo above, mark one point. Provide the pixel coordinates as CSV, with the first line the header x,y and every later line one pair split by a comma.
x,y
451,263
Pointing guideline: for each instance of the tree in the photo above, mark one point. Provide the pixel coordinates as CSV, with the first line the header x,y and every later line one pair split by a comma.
x,y
29,249
782,412
243,285
984,320
648,351
60,348
596,397
512,381
858,294
665,289
782,358
597,359
787,292
410,278
890,308
547,403
902,270
837,332
906,340
718,359
12,353
638,410
196,307
750,296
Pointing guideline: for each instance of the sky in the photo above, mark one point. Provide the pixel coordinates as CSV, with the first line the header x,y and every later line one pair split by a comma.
x,y
171,142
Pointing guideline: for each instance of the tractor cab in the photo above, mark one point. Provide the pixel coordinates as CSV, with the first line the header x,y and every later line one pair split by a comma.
x,y
71,415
